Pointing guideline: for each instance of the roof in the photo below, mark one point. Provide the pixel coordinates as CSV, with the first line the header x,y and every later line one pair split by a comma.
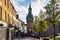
x,y
30,12
13,7
30,15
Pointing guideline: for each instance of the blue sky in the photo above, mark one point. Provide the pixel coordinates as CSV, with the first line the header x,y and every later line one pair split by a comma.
x,y
21,6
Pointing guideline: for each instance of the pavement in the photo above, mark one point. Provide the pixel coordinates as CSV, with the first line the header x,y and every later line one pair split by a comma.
x,y
27,38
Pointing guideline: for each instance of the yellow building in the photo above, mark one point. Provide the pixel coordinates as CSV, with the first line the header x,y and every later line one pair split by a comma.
x,y
7,12
7,17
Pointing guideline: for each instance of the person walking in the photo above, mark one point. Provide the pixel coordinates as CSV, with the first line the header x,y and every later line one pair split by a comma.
x,y
22,33
17,33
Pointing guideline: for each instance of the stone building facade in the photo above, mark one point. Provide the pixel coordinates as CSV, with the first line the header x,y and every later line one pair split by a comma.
x,y
7,11
7,18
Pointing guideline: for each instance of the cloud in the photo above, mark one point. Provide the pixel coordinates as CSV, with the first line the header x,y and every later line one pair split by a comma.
x,y
37,5
18,0
21,10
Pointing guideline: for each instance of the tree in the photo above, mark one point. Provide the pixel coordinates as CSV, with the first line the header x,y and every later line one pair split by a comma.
x,y
35,24
52,14
40,24
42,21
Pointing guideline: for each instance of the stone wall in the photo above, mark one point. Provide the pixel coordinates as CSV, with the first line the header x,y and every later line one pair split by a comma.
x,y
2,33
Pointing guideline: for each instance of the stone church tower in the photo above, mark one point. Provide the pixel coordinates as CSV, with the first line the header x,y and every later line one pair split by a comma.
x,y
29,19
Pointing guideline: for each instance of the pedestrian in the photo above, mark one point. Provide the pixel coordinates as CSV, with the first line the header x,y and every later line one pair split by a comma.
x,y
17,33
22,33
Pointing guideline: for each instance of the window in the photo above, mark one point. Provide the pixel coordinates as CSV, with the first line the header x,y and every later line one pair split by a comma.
x,y
5,16
8,17
12,19
5,2
8,3
0,13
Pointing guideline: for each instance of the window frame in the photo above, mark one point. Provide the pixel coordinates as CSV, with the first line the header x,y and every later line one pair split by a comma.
x,y
1,13
5,2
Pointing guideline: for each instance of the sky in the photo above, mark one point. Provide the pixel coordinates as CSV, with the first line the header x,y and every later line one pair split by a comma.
x,y
21,6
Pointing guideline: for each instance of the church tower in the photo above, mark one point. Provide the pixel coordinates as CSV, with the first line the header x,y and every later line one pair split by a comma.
x,y
29,19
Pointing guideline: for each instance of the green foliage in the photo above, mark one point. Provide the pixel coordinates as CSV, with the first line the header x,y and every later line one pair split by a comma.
x,y
44,25
34,28
40,25
53,15
52,1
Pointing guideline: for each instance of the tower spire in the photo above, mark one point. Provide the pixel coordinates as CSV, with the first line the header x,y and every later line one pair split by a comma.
x,y
30,4
30,12
30,9
29,19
